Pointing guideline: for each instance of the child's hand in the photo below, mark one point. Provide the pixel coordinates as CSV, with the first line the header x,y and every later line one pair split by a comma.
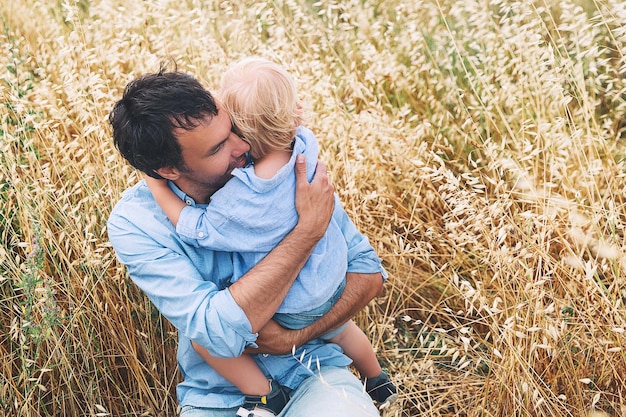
x,y
155,184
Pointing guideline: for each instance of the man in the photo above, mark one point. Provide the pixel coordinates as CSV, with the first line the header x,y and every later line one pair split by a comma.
x,y
168,126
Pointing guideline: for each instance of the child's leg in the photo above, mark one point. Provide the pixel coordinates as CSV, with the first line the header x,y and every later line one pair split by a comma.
x,y
357,347
242,371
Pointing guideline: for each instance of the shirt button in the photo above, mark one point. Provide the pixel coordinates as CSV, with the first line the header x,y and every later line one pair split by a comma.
x,y
200,234
188,202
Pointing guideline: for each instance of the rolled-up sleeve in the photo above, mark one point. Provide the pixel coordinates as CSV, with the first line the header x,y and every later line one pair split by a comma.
x,y
168,272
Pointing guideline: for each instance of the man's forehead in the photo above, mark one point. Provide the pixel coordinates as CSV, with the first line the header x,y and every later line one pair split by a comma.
x,y
188,124
211,127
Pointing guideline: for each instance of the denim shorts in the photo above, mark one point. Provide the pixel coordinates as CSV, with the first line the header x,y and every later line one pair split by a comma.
x,y
300,320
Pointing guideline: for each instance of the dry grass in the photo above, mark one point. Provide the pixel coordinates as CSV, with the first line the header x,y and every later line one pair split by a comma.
x,y
479,144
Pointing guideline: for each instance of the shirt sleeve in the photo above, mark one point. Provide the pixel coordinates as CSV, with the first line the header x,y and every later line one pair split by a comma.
x,y
201,227
239,219
163,270
361,255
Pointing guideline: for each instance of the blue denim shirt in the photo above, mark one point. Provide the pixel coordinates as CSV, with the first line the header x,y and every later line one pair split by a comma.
x,y
250,216
189,286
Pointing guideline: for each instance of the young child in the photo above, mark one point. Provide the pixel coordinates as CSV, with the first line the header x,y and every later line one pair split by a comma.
x,y
256,209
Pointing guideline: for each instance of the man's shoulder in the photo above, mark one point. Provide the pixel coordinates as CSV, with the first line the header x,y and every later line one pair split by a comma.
x,y
134,202
137,217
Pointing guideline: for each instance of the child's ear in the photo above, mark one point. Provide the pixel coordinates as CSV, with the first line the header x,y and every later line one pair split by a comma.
x,y
169,173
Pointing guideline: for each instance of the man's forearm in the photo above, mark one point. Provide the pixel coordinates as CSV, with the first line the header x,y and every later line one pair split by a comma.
x,y
262,289
359,291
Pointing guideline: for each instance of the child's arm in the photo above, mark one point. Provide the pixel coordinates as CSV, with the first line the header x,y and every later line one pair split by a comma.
x,y
166,199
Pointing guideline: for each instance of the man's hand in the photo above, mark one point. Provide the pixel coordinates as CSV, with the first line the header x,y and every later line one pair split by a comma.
x,y
360,289
261,290
315,200
276,340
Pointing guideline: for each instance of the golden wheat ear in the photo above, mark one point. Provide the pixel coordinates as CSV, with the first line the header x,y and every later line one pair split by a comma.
x,y
478,144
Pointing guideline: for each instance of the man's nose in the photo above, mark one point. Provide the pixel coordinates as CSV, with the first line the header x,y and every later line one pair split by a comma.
x,y
241,146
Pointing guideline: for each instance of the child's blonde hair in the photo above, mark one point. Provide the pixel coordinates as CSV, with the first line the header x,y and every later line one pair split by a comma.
x,y
262,100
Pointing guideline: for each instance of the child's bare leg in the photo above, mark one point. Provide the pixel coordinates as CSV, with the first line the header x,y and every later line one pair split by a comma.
x,y
242,371
357,346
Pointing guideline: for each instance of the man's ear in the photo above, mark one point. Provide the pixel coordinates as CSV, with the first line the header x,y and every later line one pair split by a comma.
x,y
169,173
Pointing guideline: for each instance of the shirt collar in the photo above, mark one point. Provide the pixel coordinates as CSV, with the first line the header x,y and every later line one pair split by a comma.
x,y
182,195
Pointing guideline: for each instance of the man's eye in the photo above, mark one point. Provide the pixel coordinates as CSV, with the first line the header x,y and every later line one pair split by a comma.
x,y
217,148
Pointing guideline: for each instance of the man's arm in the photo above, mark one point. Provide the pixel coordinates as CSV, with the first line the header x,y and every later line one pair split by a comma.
x,y
261,290
359,291
363,283
222,320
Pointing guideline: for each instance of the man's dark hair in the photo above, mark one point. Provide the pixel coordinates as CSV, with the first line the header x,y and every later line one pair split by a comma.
x,y
151,107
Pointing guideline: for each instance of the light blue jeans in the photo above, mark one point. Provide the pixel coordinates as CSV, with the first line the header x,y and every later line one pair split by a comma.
x,y
334,393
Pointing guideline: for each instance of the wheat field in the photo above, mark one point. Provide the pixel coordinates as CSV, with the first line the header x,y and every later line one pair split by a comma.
x,y
479,144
